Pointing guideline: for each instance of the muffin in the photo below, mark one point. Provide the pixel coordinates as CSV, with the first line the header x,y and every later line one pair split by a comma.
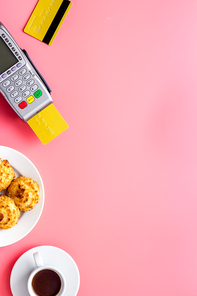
x,y
6,174
9,212
25,193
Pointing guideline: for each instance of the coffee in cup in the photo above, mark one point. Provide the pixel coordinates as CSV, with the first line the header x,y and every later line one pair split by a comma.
x,y
45,280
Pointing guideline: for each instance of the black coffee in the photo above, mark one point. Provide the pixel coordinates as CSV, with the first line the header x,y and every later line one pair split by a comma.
x,y
46,283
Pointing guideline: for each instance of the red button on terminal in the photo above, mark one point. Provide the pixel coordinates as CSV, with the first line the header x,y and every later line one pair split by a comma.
x,y
22,105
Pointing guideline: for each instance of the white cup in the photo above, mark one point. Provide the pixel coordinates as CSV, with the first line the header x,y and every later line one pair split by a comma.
x,y
53,281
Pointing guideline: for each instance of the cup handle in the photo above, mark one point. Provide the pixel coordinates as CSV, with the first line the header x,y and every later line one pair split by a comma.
x,y
38,259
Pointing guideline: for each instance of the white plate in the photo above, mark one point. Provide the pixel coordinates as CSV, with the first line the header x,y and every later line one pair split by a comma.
x,y
51,256
22,166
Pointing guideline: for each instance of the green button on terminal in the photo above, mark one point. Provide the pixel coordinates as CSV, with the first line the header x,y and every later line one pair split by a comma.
x,y
38,94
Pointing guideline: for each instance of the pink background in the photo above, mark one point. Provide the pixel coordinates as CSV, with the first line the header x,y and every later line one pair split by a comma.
x,y
120,183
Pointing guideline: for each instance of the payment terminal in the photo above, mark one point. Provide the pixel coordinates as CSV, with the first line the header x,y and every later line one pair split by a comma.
x,y
20,82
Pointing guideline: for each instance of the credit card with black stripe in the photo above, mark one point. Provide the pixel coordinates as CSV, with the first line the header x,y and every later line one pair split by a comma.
x,y
46,19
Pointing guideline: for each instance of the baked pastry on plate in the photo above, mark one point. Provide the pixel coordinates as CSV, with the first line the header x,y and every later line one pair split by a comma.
x,y
6,174
9,212
25,193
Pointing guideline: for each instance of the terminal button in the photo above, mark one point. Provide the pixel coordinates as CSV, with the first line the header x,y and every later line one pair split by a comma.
x,y
26,77
14,94
30,99
26,93
14,77
22,71
38,94
18,82
34,87
10,88
22,88
30,82
18,99
22,105
6,83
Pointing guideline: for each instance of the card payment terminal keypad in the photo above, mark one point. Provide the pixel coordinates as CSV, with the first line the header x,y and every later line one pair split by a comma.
x,y
22,88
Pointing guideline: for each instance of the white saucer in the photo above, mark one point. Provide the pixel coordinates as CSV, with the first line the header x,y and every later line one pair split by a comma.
x,y
51,256
22,166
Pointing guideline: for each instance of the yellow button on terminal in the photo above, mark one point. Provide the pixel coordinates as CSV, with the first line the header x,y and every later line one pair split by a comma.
x,y
30,99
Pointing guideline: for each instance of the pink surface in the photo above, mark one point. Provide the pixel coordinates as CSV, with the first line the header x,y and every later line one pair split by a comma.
x,y
120,183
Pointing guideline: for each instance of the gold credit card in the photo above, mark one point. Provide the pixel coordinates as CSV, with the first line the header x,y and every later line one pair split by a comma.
x,y
46,19
48,124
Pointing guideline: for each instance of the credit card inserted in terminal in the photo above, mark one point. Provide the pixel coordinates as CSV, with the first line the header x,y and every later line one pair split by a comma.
x,y
26,91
